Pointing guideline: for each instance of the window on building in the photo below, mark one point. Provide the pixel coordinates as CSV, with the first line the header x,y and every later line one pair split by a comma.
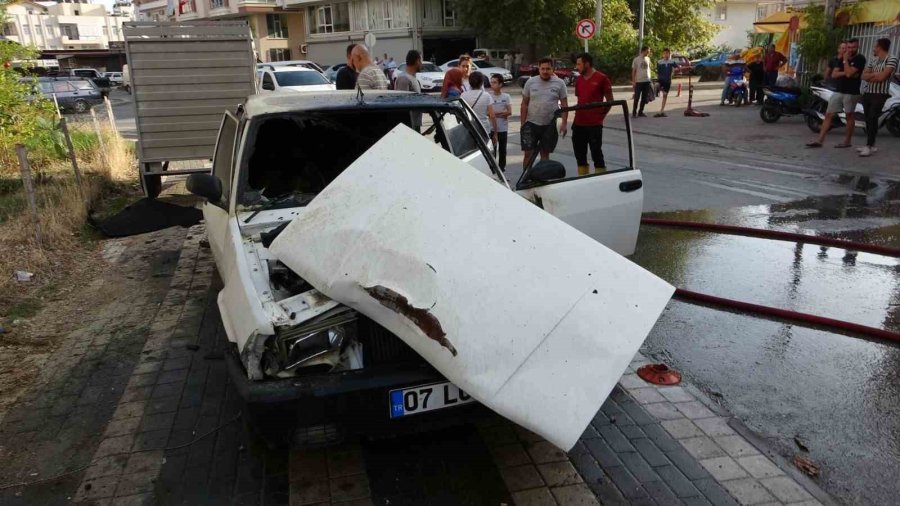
x,y
329,18
387,13
721,12
70,31
765,10
449,13
186,7
217,4
9,29
277,26
279,54
26,30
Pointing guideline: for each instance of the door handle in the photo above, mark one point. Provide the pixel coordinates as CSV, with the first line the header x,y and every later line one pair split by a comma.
x,y
630,186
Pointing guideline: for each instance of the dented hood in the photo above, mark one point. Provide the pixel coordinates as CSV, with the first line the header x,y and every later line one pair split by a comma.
x,y
528,315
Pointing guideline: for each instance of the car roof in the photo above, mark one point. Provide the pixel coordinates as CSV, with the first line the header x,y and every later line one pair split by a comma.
x,y
279,70
281,103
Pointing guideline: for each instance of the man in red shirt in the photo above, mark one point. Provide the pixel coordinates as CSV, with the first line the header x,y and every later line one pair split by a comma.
x,y
587,129
771,62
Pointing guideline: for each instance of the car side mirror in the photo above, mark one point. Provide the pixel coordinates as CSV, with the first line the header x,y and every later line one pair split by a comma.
x,y
207,186
546,170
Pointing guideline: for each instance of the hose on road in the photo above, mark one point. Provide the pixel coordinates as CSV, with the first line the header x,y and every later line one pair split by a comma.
x,y
773,312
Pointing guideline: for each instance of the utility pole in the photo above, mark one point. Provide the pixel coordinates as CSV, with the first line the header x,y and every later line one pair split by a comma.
x,y
598,14
641,28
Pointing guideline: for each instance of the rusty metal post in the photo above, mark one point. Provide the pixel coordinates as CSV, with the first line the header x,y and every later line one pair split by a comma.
x,y
65,131
25,169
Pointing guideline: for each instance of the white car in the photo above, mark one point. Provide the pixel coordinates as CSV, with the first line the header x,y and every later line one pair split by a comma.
x,y
296,340
430,76
115,78
282,79
291,63
482,67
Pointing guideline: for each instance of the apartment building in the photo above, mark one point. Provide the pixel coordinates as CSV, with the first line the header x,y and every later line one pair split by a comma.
x,y
69,25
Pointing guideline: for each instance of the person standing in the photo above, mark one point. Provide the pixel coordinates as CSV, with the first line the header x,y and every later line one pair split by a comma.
x,y
833,64
665,68
465,64
346,76
407,81
847,83
541,98
452,86
772,61
757,80
501,106
877,76
371,76
640,82
480,102
587,129
507,61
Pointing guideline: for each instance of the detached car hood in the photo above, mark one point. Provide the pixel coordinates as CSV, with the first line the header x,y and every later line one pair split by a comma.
x,y
528,315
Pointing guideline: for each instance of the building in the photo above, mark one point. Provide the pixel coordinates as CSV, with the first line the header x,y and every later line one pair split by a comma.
x,y
70,25
735,18
151,10
431,26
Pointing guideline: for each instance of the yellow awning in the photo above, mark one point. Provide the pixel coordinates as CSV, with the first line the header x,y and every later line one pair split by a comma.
x,y
874,11
779,22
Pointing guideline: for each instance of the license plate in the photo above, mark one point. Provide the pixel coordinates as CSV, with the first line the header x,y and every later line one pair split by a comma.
x,y
415,400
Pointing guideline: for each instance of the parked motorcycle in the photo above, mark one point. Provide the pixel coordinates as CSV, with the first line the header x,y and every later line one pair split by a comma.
x,y
889,117
780,102
740,92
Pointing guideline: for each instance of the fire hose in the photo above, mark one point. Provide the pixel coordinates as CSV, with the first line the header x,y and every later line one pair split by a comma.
x,y
773,312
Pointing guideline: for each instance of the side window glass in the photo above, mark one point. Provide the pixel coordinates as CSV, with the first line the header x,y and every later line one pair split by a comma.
x,y
223,160
461,141
61,87
267,82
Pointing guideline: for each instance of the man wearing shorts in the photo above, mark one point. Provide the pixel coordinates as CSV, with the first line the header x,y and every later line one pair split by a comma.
x,y
847,79
541,98
664,70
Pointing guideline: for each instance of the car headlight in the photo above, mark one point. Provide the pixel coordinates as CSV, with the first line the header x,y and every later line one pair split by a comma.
x,y
312,343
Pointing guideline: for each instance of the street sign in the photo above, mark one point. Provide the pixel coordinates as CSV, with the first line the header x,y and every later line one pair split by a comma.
x,y
370,40
585,29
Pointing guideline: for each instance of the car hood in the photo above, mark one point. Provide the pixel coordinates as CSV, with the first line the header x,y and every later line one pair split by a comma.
x,y
434,76
531,317
308,87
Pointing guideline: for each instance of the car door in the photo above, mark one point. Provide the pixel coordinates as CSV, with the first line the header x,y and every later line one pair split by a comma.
x,y
606,207
218,213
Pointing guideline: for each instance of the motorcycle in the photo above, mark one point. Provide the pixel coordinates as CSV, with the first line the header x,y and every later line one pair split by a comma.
x,y
780,102
740,92
889,117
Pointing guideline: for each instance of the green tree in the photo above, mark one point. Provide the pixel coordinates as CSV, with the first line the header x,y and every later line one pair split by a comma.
x,y
616,45
677,24
819,40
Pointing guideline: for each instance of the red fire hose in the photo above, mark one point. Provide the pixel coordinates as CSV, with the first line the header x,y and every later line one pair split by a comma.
x,y
810,319
775,234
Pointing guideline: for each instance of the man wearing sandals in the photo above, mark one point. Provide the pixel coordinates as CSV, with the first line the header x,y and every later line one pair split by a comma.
x,y
847,81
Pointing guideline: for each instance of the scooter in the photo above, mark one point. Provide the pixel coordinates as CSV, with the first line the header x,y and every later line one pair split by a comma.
x,y
780,102
889,117
740,92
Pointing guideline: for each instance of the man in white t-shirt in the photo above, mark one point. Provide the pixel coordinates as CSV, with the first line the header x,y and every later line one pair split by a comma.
x,y
501,108
640,82
480,100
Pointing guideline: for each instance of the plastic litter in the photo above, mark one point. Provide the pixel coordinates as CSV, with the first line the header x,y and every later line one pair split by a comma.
x,y
659,374
24,276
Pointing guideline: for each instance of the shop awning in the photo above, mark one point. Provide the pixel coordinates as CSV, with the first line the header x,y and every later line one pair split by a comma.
x,y
875,11
778,22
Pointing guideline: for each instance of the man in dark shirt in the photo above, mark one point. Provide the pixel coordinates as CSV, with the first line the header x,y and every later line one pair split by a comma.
x,y
757,79
847,80
835,63
771,62
346,76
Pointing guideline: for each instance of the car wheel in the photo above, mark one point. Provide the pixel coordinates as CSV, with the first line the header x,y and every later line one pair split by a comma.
x,y
80,106
769,114
893,124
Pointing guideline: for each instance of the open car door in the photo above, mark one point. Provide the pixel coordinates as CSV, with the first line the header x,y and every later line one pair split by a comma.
x,y
605,206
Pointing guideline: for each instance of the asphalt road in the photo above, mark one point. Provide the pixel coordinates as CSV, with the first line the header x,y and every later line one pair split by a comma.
x,y
838,394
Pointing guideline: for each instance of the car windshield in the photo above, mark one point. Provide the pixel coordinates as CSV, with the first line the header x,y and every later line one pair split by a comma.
x,y
83,85
429,67
299,78
84,73
482,64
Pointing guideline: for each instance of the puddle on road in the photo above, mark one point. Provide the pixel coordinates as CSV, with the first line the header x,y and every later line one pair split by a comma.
x,y
840,394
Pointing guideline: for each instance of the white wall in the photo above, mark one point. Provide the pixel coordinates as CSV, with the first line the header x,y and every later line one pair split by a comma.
x,y
739,19
43,30
331,52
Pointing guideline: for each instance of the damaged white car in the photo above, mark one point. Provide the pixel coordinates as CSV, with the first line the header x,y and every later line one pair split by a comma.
x,y
365,264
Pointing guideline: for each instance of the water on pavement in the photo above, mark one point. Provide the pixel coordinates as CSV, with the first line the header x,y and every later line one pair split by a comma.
x,y
838,394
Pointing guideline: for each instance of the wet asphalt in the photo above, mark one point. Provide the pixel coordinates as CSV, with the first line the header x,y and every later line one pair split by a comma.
x,y
838,394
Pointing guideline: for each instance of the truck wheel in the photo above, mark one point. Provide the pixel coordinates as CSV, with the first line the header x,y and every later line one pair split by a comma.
x,y
769,114
152,185
80,106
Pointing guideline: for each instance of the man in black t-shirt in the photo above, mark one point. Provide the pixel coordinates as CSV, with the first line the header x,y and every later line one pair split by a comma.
x,y
835,63
346,76
847,80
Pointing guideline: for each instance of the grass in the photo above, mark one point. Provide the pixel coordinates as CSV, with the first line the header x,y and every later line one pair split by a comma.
x,y
25,309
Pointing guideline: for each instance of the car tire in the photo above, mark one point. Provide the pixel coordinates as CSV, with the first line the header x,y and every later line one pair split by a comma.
x,y
80,106
893,123
769,114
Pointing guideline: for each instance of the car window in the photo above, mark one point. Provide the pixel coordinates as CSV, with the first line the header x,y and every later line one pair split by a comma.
x,y
461,141
46,87
267,82
224,157
452,64
482,64
429,67
82,85
300,78
61,87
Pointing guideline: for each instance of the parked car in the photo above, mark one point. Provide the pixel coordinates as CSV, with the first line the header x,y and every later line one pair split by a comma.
x,y
482,67
492,56
564,69
102,83
298,357
331,72
115,78
282,79
292,63
714,60
684,67
430,76
73,94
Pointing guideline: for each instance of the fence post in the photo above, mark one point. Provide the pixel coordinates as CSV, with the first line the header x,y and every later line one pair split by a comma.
x,y
25,169
111,116
56,103
98,132
65,130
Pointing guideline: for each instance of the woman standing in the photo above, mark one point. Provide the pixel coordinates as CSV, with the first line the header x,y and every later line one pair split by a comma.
x,y
501,106
453,83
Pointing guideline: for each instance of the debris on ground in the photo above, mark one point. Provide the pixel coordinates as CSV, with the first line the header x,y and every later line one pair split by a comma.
x,y
806,465
149,215
800,443
24,276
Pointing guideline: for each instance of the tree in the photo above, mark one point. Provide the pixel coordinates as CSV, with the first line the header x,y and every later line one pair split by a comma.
x,y
677,24
819,40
